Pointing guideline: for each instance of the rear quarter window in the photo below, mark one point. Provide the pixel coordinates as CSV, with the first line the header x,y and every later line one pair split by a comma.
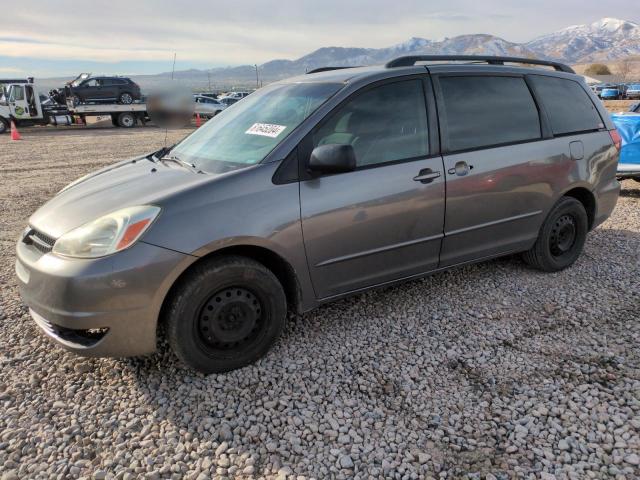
x,y
482,111
568,106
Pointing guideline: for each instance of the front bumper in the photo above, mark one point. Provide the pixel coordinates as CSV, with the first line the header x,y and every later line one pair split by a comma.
x,y
628,170
105,307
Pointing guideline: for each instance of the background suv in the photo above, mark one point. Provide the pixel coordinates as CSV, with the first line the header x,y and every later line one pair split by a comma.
x,y
105,89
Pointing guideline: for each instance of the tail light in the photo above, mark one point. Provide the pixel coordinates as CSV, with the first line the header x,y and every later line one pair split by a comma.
x,y
616,139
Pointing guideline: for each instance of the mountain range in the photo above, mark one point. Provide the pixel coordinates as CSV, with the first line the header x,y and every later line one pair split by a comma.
x,y
605,40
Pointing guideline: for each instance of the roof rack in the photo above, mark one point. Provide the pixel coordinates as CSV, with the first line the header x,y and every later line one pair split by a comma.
x,y
491,60
327,69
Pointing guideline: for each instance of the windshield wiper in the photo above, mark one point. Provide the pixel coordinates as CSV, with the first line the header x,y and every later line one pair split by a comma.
x,y
180,162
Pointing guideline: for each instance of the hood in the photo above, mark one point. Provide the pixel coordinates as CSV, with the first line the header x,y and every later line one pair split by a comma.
x,y
125,184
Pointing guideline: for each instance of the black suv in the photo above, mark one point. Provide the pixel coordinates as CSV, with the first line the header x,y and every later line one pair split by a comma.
x,y
104,89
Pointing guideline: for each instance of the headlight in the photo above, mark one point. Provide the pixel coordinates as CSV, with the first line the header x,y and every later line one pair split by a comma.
x,y
108,234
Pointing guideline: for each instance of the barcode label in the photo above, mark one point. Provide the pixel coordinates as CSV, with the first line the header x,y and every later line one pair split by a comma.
x,y
266,129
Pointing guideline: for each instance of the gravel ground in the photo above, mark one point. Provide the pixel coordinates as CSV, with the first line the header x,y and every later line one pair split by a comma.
x,y
490,371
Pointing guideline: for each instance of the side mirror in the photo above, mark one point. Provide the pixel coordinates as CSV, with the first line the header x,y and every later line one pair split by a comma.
x,y
332,159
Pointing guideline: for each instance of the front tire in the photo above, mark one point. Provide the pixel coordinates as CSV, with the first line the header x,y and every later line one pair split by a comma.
x,y
225,314
561,238
4,126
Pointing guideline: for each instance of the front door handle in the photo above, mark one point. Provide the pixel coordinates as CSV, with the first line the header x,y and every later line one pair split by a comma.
x,y
426,176
460,169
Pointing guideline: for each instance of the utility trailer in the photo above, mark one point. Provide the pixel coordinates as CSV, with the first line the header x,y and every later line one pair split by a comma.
x,y
21,103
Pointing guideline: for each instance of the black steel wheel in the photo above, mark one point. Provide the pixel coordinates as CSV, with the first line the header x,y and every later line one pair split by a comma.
x,y
561,238
225,314
563,235
230,320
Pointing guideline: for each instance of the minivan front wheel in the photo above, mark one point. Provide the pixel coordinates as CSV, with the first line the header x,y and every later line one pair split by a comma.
x,y
225,314
561,238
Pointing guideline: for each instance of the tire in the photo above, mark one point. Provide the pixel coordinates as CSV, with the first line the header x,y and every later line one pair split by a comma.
x,y
225,314
4,126
125,98
114,120
76,100
561,238
127,120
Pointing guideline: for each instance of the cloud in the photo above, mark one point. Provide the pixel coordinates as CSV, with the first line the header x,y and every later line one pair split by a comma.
x,y
11,70
254,31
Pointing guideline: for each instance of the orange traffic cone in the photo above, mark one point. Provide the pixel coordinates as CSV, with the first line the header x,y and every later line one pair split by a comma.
x,y
15,135
198,121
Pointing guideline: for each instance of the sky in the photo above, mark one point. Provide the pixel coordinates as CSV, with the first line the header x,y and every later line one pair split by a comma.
x,y
45,38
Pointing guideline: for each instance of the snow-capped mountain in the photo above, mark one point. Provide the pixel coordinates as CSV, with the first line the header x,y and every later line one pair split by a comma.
x,y
342,57
606,39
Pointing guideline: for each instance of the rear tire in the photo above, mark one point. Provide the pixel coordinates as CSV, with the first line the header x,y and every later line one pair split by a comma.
x,y
561,238
125,98
4,126
225,314
127,120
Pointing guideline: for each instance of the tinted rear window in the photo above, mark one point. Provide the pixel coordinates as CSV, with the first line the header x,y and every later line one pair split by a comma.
x,y
569,107
485,111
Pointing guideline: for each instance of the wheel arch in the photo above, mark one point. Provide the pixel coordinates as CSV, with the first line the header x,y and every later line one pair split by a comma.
x,y
588,200
278,265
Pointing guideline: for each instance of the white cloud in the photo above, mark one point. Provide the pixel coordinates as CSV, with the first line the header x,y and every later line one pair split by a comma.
x,y
11,70
254,31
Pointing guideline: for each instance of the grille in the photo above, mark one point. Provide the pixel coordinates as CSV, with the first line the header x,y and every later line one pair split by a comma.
x,y
40,241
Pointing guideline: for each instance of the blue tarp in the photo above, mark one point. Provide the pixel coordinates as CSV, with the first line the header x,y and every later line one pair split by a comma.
x,y
628,126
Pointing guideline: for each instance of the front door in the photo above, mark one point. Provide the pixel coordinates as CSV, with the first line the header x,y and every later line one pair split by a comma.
x,y
383,221
89,90
500,175
18,104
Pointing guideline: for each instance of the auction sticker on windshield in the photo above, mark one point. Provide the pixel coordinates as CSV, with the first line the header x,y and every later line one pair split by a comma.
x,y
266,129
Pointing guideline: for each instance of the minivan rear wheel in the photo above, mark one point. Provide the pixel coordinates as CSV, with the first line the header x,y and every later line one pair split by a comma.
x,y
561,238
225,314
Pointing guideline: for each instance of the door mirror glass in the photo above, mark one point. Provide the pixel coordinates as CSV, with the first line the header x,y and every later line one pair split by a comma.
x,y
332,159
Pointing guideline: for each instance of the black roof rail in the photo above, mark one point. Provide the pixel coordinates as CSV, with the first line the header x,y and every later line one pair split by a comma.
x,y
327,69
491,60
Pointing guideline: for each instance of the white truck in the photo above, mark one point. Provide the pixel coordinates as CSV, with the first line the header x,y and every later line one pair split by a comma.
x,y
21,103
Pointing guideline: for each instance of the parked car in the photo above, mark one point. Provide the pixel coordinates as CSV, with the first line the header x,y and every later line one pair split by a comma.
x,y
104,89
205,94
208,107
313,189
610,94
633,91
238,95
228,101
628,126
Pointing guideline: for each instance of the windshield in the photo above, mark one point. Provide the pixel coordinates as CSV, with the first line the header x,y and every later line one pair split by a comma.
x,y
243,134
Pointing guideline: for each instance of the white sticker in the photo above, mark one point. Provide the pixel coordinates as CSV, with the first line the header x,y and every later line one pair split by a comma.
x,y
266,129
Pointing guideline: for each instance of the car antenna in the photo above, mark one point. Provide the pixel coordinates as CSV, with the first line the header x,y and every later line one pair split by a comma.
x,y
173,69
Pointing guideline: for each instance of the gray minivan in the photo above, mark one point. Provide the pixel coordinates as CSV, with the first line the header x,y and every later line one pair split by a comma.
x,y
315,188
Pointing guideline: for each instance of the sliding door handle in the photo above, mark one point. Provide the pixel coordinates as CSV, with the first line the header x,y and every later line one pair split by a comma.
x,y
426,176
